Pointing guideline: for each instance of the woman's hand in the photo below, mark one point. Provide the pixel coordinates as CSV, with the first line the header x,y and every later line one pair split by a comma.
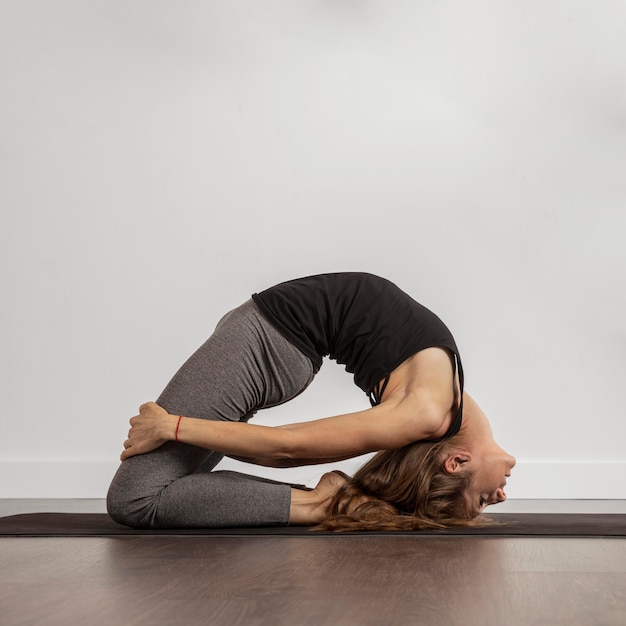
x,y
149,430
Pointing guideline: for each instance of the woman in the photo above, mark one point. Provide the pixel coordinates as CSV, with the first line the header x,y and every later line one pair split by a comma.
x,y
438,466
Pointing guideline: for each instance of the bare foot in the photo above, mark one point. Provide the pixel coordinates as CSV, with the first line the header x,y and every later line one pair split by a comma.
x,y
309,507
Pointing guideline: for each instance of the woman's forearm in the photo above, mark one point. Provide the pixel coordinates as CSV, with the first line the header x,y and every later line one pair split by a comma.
x,y
154,426
238,439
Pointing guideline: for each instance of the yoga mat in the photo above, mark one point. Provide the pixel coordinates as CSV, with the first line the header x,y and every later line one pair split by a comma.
x,y
508,524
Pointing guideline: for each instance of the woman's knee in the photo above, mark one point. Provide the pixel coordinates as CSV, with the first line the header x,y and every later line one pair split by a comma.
x,y
128,508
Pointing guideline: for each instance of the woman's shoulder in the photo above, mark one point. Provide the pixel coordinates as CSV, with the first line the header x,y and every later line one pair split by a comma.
x,y
426,384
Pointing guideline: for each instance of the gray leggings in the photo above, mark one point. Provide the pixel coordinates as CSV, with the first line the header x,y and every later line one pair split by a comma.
x,y
244,366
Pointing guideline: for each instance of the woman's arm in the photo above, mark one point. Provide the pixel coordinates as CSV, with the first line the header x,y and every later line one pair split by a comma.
x,y
388,425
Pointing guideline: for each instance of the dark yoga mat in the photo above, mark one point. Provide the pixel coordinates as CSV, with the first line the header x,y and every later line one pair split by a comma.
x,y
508,524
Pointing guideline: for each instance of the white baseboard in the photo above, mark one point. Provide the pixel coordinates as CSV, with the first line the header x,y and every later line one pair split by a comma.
x,y
530,480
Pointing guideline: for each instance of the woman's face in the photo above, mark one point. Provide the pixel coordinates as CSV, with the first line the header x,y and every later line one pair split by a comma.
x,y
490,470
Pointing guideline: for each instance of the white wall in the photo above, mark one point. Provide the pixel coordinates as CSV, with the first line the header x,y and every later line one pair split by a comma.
x,y
160,161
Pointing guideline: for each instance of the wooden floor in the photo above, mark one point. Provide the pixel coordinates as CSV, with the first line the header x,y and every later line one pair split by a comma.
x,y
312,581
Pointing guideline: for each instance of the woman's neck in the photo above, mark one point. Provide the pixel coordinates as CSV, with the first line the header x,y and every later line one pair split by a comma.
x,y
475,428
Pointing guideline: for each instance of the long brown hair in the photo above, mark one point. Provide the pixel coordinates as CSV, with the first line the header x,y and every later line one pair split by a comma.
x,y
402,489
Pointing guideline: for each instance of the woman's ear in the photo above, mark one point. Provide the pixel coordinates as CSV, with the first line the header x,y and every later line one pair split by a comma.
x,y
456,462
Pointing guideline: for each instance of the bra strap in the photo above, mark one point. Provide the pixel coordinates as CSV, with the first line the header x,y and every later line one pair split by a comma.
x,y
376,394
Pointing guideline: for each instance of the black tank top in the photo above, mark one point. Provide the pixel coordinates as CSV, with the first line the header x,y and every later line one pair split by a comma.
x,y
361,321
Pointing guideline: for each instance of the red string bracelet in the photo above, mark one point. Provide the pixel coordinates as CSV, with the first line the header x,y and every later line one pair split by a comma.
x,y
180,417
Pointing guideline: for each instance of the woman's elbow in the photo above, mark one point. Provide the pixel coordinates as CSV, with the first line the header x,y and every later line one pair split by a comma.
x,y
291,446
434,420
427,420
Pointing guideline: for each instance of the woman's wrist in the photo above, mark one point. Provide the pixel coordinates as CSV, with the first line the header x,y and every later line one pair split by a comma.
x,y
171,427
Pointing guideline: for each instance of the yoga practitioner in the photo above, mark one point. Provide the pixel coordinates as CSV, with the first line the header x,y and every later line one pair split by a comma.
x,y
437,464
